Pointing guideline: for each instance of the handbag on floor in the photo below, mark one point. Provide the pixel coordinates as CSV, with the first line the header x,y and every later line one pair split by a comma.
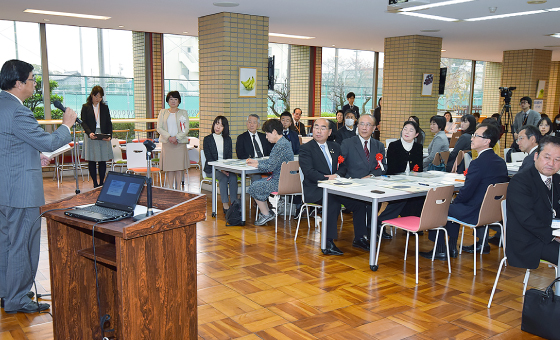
x,y
541,312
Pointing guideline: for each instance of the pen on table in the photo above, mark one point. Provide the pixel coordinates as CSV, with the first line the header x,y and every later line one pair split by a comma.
x,y
424,184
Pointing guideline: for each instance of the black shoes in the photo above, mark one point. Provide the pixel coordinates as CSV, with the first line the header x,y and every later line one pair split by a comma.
x,y
361,242
495,240
225,211
30,295
331,249
470,249
439,256
385,235
31,307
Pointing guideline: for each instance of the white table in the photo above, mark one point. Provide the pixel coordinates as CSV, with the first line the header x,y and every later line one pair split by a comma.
x,y
419,184
513,167
556,232
237,166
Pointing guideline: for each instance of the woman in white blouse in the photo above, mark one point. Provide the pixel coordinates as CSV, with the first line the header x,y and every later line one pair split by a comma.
x,y
450,126
173,129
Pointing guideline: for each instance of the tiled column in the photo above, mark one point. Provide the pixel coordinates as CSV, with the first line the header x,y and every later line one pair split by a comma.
x,y
491,101
317,75
158,94
406,60
139,64
300,66
228,41
523,69
553,102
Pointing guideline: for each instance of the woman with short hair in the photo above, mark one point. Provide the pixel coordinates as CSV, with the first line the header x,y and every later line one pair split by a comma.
x,y
440,142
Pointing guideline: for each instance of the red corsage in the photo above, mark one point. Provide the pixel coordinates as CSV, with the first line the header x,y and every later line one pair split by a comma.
x,y
379,158
465,172
340,160
416,168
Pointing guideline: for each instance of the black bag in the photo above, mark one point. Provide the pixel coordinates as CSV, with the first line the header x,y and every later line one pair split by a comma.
x,y
541,312
233,215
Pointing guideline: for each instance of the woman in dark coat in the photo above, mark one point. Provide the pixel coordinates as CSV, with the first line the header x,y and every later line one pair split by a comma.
x,y
96,119
468,126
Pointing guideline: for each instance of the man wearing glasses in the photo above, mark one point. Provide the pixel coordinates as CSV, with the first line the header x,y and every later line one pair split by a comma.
x,y
525,117
21,185
488,168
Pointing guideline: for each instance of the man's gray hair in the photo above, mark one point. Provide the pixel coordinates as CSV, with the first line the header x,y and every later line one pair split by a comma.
x,y
254,115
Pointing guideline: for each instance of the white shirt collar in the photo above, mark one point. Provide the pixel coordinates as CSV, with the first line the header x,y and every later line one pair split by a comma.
x,y
480,153
543,177
533,149
363,140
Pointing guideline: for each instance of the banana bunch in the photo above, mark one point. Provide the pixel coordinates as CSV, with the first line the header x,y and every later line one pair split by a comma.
x,y
249,84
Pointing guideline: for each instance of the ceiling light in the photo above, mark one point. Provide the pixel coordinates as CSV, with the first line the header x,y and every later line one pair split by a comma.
x,y
444,50
64,14
226,4
427,16
121,26
555,35
281,35
554,9
438,4
536,2
47,20
500,16
185,32
492,9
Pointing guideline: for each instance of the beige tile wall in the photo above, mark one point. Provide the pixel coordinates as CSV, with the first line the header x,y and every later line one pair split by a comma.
x,y
407,58
553,103
228,41
491,100
300,63
157,74
318,63
139,64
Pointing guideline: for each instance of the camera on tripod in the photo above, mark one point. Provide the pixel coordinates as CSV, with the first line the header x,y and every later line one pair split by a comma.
x,y
506,92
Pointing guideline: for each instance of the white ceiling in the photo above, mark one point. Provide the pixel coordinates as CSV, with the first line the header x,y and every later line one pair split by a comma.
x,y
351,24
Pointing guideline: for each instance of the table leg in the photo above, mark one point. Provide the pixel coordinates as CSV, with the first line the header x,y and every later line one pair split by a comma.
x,y
324,222
214,192
243,215
373,236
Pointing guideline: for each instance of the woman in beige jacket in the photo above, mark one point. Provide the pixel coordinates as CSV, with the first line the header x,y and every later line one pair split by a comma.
x,y
173,129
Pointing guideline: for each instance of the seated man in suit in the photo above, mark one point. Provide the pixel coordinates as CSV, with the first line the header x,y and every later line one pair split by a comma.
x,y
528,140
252,144
299,126
532,203
349,128
289,132
360,161
488,168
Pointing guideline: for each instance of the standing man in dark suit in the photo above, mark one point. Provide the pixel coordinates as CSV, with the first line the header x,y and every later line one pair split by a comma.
x,y
528,140
488,168
319,161
21,183
251,143
299,126
289,132
532,202
524,117
350,106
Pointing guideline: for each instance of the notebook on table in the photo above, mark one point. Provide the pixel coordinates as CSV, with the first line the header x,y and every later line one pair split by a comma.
x,y
117,199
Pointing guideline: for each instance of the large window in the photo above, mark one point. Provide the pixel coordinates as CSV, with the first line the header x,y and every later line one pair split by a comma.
x,y
97,57
277,98
181,70
20,40
347,71
458,86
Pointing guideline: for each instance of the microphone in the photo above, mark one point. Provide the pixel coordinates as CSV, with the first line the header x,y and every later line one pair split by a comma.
x,y
59,106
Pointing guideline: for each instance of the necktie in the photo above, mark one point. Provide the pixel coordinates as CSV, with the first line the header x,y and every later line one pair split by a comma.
x,y
327,157
548,183
287,135
259,153
366,150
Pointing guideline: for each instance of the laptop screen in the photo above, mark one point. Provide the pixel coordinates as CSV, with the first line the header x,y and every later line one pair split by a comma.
x,y
121,191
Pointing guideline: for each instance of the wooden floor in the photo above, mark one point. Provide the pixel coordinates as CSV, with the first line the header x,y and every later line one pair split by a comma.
x,y
253,284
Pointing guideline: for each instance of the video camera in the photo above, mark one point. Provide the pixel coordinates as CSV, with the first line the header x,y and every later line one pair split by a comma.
x,y
506,92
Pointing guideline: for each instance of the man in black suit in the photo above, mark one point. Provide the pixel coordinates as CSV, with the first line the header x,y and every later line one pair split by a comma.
x,y
350,106
532,202
528,140
289,132
488,168
300,127
360,155
319,161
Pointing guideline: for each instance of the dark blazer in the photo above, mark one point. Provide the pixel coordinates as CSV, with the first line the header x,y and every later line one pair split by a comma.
x,y
528,161
211,151
244,145
398,157
294,139
354,109
463,143
343,133
529,217
314,166
88,119
488,168
355,163
300,128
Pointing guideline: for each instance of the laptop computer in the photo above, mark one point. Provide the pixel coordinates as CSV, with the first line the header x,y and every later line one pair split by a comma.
x,y
117,199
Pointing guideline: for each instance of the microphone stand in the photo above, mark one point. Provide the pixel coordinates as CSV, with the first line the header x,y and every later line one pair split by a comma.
x,y
149,212
75,159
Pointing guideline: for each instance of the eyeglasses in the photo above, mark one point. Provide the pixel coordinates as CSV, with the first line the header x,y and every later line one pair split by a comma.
x,y
520,138
523,102
31,79
479,136
365,124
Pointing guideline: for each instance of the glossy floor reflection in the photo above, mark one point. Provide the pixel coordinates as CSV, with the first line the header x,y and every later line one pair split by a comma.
x,y
254,284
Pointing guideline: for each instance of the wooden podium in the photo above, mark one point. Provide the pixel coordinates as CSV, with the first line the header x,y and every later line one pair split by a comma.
x,y
146,270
